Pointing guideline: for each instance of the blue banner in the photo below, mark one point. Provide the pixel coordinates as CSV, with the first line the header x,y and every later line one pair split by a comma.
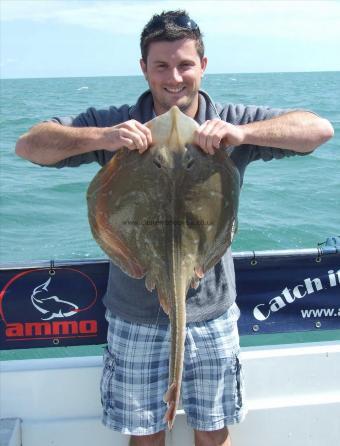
x,y
279,294
62,305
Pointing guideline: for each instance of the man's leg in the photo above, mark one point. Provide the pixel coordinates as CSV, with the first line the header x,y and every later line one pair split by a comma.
x,y
134,380
220,437
157,439
212,388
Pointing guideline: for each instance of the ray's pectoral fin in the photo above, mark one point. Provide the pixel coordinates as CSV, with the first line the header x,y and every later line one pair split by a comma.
x,y
108,231
113,244
195,283
163,300
197,276
149,282
218,252
199,272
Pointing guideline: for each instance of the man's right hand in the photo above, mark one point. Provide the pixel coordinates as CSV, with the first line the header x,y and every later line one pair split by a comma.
x,y
48,143
131,134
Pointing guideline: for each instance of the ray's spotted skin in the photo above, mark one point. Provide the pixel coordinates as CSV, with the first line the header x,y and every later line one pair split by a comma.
x,y
168,215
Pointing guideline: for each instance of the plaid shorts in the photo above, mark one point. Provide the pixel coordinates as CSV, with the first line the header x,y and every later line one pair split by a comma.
x,y
136,371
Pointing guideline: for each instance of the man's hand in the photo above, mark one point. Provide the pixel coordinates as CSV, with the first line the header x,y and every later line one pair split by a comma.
x,y
214,134
48,143
131,134
299,131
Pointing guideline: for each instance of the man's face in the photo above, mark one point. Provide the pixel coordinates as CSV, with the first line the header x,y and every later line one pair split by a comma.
x,y
174,71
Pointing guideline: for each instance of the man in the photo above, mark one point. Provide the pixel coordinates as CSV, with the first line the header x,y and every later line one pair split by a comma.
x,y
136,361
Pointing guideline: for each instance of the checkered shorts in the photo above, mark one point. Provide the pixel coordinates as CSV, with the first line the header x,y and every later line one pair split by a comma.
x,y
135,375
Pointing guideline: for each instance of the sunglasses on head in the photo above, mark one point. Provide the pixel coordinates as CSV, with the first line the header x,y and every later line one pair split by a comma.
x,y
182,21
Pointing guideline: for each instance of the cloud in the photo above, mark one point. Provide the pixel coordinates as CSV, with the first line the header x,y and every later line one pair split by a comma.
x,y
254,35
304,20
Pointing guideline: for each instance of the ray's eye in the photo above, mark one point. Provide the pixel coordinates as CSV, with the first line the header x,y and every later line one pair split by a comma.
x,y
188,159
190,164
159,160
157,163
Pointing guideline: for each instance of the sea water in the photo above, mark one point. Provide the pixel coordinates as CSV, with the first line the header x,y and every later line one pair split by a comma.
x,y
289,203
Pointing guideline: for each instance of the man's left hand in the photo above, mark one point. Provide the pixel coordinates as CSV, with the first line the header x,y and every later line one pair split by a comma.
x,y
215,133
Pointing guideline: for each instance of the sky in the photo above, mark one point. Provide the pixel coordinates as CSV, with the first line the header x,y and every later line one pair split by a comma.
x,y
57,38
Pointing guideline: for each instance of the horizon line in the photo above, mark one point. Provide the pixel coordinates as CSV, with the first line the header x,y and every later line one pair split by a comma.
x,y
140,75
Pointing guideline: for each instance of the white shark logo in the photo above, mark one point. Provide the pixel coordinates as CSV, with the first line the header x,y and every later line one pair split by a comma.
x,y
51,306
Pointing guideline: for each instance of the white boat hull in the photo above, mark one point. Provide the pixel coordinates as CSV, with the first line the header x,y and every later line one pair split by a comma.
x,y
293,395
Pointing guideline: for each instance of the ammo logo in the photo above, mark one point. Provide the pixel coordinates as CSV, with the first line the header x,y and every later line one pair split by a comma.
x,y
42,304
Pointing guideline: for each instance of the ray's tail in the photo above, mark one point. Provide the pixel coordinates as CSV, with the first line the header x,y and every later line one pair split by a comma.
x,y
177,316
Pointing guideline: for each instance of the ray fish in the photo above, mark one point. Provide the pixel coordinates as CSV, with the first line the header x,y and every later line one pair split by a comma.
x,y
167,215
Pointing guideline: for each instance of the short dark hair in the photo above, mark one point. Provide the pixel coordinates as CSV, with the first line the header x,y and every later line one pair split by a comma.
x,y
170,26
